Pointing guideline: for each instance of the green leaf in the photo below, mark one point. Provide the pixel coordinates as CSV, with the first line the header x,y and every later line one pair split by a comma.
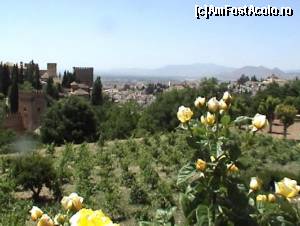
x,y
203,215
185,173
225,120
145,223
219,149
242,120
186,204
234,150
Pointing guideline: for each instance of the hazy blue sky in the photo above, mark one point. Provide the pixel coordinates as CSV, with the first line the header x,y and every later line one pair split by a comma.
x,y
145,33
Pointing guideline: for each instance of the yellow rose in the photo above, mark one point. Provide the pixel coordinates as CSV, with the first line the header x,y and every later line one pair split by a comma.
x,y
209,119
223,105
36,213
203,120
184,114
232,168
88,217
45,221
261,198
259,122
255,184
199,102
271,198
72,202
287,188
200,165
227,97
213,105
59,219
212,158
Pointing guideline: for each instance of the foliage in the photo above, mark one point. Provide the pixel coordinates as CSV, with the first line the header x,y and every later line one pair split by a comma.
x,y
51,89
26,87
68,78
286,114
268,107
97,96
120,120
214,192
6,138
32,172
83,181
5,79
14,91
70,119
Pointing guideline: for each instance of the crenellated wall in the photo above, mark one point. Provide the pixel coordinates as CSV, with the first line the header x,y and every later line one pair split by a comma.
x,y
14,122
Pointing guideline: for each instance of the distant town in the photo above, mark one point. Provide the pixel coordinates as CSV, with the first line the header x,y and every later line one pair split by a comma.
x,y
79,82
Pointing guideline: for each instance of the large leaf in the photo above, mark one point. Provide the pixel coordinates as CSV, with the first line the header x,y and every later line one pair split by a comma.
x,y
185,173
203,215
219,149
186,204
242,120
165,216
145,223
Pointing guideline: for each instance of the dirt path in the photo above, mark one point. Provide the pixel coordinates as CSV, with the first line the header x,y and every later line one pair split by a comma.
x,y
293,130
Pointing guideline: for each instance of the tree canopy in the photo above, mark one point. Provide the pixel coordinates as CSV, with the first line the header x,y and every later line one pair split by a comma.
x,y
71,119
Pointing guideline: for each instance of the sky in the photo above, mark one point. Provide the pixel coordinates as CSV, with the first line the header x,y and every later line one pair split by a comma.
x,y
113,34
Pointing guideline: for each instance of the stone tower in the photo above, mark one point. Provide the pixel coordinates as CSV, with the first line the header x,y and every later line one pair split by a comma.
x,y
52,69
84,75
31,107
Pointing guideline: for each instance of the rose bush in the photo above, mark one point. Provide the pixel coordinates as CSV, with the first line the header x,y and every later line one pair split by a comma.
x,y
214,193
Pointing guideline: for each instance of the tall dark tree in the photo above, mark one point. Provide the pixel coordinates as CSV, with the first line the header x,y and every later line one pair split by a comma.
x,y
29,72
1,78
5,79
51,90
36,83
14,91
21,73
243,79
68,78
97,96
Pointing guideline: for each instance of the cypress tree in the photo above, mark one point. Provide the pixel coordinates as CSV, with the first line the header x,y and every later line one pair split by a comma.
x,y
36,83
6,81
21,73
51,90
64,82
1,78
29,72
14,91
97,96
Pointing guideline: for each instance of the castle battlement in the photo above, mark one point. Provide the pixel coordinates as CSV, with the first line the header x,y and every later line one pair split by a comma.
x,y
84,75
13,116
13,121
83,68
31,94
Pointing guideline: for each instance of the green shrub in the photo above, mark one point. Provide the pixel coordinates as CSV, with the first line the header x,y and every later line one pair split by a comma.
x,y
71,119
138,195
32,172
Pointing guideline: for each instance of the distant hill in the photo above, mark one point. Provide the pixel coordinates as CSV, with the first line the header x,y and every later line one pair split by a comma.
x,y
198,71
259,72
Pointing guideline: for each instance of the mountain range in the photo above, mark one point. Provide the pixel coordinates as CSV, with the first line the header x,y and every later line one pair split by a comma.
x,y
199,70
